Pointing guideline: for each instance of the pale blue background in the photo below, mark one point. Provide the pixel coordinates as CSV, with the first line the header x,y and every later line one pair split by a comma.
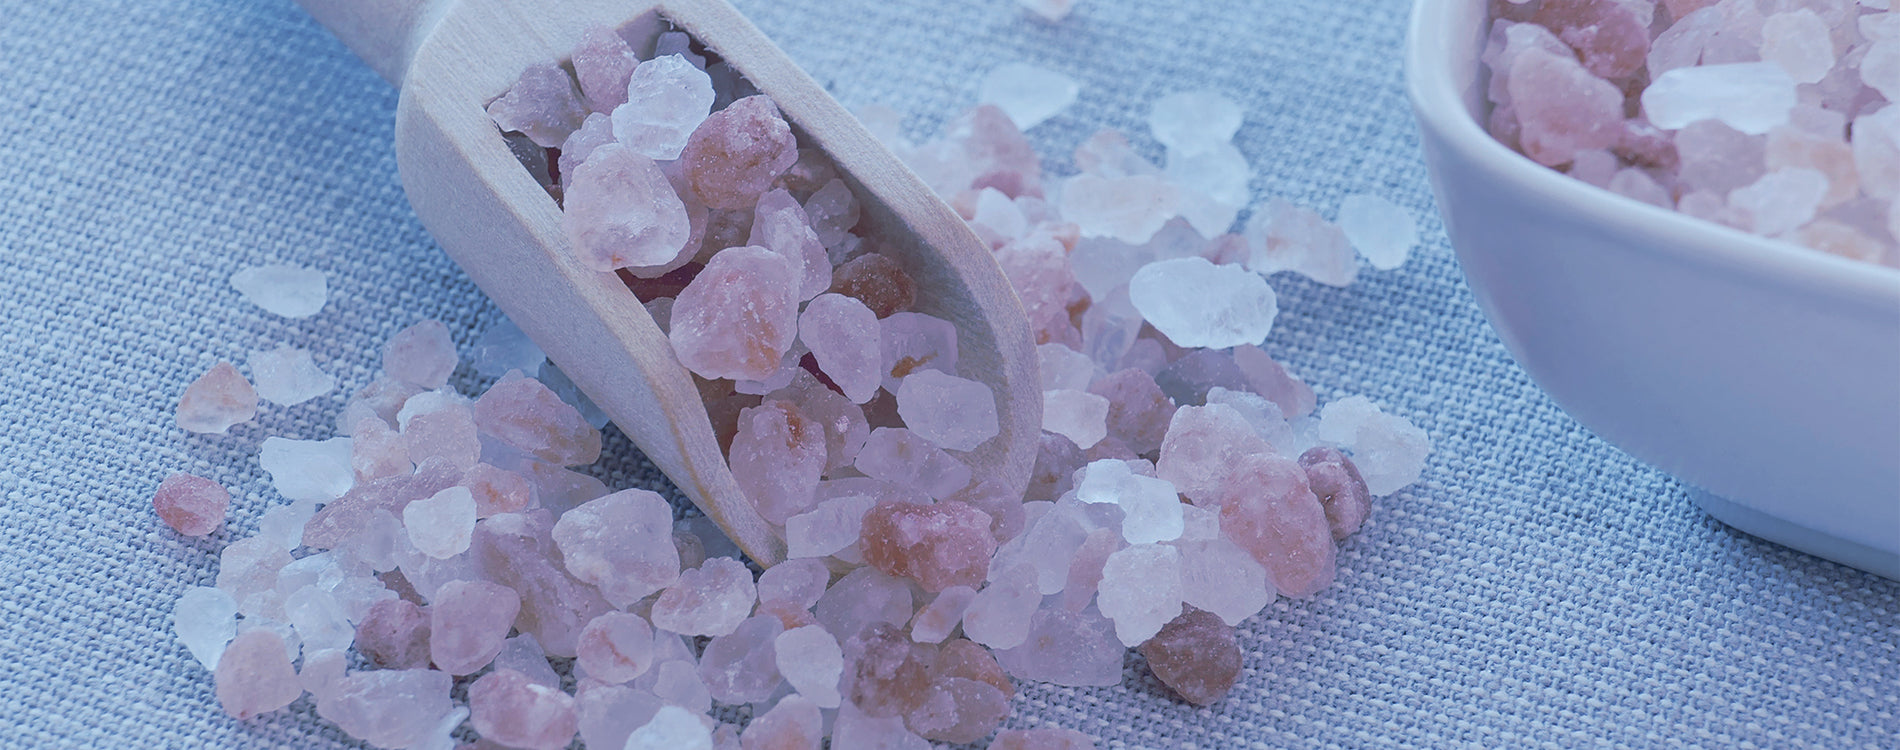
x,y
1536,589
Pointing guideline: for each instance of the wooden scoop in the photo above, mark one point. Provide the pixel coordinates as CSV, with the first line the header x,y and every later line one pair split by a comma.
x,y
450,58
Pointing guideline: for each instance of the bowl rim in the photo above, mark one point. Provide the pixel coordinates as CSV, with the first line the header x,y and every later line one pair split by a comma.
x,y
1438,102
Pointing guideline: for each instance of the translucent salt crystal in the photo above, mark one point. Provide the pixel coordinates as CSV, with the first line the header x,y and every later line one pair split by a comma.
x,y
794,723
711,599
621,212
318,470
1188,379
777,457
1379,229
1782,200
742,666
999,615
1151,509
1876,147
1203,444
394,635
216,401
1612,38
1794,147
781,225
1107,154
1192,121
672,728
602,64
523,654
190,504
678,43
247,569
1285,237
939,545
1340,420
382,399
1064,368
1085,568
1880,68
544,104
1196,656
1266,418
254,676
834,211
505,347
843,335
323,672
621,543
448,433
914,341
320,621
677,682
1390,453
609,713
422,354
886,674
1752,97
738,316
1218,173
1267,508
937,619
1138,412
388,707
530,417
1714,156
1837,238
732,158
616,647
1800,43
442,735
1342,492
285,290
1218,576
1027,93
666,99
293,646
797,582
827,529
1051,10
205,619
862,597
899,455
468,620
1140,590
812,661
958,710
442,524
1130,209
1198,304
1635,183
1045,738
1078,649
1077,415
510,709
1562,108
949,411
287,375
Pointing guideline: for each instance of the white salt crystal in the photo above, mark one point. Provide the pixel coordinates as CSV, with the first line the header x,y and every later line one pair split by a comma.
x,y
811,660
1101,481
284,524
954,413
1390,452
319,619
1140,591
1198,304
832,526
1192,121
1379,229
287,375
290,291
1027,93
205,620
1341,420
442,736
1219,172
1635,183
843,336
1220,577
1799,42
523,654
1151,510
667,98
1080,416
998,616
1753,98
1130,209
1264,416
1052,10
1064,368
1876,147
316,470
506,347
997,219
1286,237
937,619
422,354
1880,68
1781,200
441,525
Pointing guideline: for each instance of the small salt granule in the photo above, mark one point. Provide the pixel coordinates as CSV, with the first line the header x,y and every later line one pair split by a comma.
x,y
1379,229
190,504
287,375
216,401
286,290
1027,93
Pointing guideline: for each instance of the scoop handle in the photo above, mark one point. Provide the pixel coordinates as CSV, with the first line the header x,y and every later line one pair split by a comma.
x,y
384,33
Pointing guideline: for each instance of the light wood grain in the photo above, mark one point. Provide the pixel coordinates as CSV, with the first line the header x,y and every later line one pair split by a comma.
x,y
505,231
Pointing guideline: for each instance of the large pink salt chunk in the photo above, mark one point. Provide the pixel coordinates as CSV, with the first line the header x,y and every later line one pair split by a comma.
x,y
711,599
192,505
517,551
736,153
528,416
621,543
620,211
779,224
1078,649
1608,34
953,412
394,634
421,355
468,620
1341,491
602,64
616,647
510,709
1562,108
1203,444
793,724
938,546
376,451
777,457
738,316
216,401
254,675
544,104
1268,509
1196,655
901,456
844,337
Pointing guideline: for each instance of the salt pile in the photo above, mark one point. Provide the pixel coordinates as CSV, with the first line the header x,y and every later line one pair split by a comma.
x,y
454,541
1771,118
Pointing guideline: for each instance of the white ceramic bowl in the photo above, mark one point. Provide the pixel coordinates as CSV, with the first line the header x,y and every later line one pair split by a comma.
x,y
1765,376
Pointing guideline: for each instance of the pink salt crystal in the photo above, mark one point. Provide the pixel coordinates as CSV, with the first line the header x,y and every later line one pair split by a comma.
x,y
937,619
394,635
216,401
610,713
1341,492
190,504
1562,108
834,211
777,457
736,153
1838,238
1876,145
1038,267
349,515
940,545
1000,614
796,582
877,281
1880,68
376,451
1204,443
1267,378
421,355
779,224
1138,412
1085,569
1267,508
1077,649
911,342
1799,42
1218,576
1140,590
793,724
254,675
508,708
738,316
621,543
667,97
1781,200
526,415
1080,416
1794,148
495,490
559,490
1195,655
861,598
958,710
856,729
517,551
616,647
898,455
1717,157
1286,237
447,432
382,399
843,335
247,570
994,152
596,131
389,708
1057,458
843,422
1608,34
621,212
812,661
949,411
468,620
1130,209
603,62
544,104
885,673
1187,380
741,666
711,599
1635,183
1047,738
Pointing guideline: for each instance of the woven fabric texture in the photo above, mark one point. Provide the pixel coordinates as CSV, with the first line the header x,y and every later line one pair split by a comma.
x,y
1537,588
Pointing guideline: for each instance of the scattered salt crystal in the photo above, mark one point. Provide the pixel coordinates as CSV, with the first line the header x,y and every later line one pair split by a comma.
x,y
1379,229
247,571
794,723
952,412
1341,490
861,598
1130,209
287,375
422,355
938,545
1880,68
620,543
1753,98
616,647
1079,416
1876,147
1198,304
1637,184
711,599
254,676
1140,590
468,620
505,347
323,672
389,707
1782,200
545,104
797,582
1138,412
672,728
1027,93
318,470
1218,172
812,661
666,99
1051,10
1192,121
1267,508
1195,655
609,713
190,504
1285,237
205,619
1390,453
447,432
1064,368
442,524
216,401
514,711
320,621
827,529
289,291
523,654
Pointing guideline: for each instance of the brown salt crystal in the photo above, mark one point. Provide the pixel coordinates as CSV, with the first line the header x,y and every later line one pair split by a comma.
x,y
940,545
394,635
1267,508
1047,738
254,675
1342,493
961,657
877,281
509,708
216,401
737,152
192,505
1196,655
